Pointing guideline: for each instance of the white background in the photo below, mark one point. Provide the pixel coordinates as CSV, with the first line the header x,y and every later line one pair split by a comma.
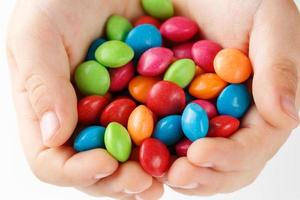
x,y
280,180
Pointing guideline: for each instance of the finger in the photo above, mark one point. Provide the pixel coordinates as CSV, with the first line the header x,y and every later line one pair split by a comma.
x,y
153,193
274,51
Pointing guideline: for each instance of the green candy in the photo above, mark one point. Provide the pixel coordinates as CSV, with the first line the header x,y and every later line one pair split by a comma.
x,y
161,9
181,72
117,141
114,54
117,28
92,78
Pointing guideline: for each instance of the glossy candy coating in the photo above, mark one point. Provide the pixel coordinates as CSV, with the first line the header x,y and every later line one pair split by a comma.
x,y
182,147
147,20
155,61
154,157
194,122
92,78
91,137
89,108
178,29
120,77
209,107
234,100
232,65
168,130
117,28
140,86
161,9
223,126
140,124
207,86
166,98
204,53
114,54
117,111
183,50
92,49
181,72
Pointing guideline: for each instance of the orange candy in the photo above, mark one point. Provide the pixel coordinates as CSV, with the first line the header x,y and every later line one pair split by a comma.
x,y
207,86
140,86
232,66
140,124
199,71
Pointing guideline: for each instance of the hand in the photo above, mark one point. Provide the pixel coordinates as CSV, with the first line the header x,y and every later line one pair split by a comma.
x,y
46,41
269,31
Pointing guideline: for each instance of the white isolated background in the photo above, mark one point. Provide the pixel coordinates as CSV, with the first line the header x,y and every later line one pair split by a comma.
x,y
280,180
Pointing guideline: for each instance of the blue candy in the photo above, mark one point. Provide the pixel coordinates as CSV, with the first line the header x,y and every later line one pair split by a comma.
x,y
143,37
89,138
194,122
168,130
234,100
91,52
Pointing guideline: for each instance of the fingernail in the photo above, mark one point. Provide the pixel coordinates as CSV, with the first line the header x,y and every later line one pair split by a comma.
x,y
190,186
49,124
101,175
288,105
138,197
207,165
129,192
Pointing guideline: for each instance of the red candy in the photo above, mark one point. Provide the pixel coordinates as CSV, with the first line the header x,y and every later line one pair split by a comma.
x,y
155,61
147,20
223,126
89,109
154,157
182,147
183,50
204,53
166,98
209,107
117,111
120,77
178,29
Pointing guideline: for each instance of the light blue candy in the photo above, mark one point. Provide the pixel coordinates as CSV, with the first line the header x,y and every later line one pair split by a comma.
x,y
89,138
95,44
234,100
194,122
143,37
168,130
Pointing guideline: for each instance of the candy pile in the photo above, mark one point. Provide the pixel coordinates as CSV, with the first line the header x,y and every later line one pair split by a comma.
x,y
155,87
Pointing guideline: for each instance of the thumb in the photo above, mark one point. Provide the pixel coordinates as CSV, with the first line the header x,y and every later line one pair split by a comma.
x,y
274,49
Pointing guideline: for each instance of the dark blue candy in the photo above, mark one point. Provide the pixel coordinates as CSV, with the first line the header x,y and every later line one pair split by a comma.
x,y
234,100
89,138
91,52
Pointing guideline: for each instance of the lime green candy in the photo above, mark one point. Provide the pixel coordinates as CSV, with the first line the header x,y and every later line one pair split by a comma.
x,y
92,78
117,141
114,54
117,28
181,72
161,9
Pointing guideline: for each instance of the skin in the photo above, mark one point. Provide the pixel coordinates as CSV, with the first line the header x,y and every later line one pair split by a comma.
x,y
48,39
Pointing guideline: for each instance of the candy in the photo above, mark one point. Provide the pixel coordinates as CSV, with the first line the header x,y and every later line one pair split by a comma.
x,y
155,61
209,107
223,126
161,9
204,53
89,138
194,122
166,98
140,86
188,97
120,77
168,130
143,37
89,108
234,100
183,50
95,44
117,28
178,29
182,147
232,66
199,71
147,20
117,141
140,124
177,69
114,54
92,78
117,111
207,86
154,157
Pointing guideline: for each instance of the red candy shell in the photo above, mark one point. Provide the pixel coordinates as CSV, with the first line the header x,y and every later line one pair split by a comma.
x,y
182,147
183,50
120,77
147,20
223,126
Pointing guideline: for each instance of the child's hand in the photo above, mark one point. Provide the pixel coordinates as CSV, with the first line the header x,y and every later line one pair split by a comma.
x,y
271,29
46,41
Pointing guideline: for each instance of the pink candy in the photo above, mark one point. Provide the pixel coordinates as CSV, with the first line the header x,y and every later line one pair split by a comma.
x,y
120,77
208,107
183,50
